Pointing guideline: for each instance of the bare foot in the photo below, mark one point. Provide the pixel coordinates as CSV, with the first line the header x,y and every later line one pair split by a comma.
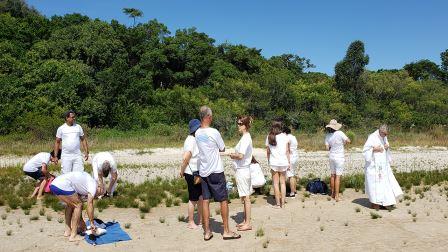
x,y
241,224
39,197
75,238
245,227
67,233
192,226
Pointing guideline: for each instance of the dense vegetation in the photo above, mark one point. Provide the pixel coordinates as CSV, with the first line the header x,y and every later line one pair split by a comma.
x,y
137,77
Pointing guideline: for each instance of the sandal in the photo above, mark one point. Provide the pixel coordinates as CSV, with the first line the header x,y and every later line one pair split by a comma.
x,y
234,236
208,238
276,206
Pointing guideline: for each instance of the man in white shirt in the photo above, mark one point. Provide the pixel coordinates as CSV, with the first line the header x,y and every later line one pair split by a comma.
x,y
211,170
103,164
71,188
36,168
71,135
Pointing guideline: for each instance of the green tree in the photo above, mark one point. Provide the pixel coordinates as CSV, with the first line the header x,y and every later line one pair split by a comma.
x,y
133,13
444,64
424,70
348,72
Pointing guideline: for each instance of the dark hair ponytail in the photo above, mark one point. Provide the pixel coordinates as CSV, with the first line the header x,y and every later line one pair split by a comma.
x,y
276,129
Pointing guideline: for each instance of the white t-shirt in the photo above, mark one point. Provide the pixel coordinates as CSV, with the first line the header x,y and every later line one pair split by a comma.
x,y
209,142
278,152
336,142
37,161
80,182
99,159
244,147
191,146
293,145
71,138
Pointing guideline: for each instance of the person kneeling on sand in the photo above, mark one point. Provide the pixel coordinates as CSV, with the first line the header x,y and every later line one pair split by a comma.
x,y
103,164
72,188
211,170
37,168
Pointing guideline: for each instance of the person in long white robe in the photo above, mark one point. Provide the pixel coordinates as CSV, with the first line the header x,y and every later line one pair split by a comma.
x,y
380,183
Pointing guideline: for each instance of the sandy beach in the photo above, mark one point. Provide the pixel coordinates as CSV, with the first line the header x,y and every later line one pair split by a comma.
x,y
314,224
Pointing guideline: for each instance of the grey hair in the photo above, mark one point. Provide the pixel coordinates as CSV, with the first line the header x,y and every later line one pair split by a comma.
x,y
383,128
105,168
204,111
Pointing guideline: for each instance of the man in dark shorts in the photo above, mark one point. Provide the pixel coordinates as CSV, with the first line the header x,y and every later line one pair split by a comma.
x,y
36,168
211,170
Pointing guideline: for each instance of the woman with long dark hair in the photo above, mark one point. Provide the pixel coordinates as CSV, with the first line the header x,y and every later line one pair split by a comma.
x,y
277,148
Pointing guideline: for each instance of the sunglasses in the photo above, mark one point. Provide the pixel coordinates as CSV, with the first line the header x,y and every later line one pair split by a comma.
x,y
240,123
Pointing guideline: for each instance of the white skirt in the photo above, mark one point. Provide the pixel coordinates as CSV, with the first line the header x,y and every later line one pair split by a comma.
x,y
243,182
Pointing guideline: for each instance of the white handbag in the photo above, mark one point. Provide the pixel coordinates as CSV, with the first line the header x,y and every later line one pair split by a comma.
x,y
256,176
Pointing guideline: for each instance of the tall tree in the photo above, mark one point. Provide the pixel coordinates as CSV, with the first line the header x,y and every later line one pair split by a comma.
x,y
444,65
348,72
133,13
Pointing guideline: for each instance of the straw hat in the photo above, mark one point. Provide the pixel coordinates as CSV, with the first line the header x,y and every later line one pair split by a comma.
x,y
334,125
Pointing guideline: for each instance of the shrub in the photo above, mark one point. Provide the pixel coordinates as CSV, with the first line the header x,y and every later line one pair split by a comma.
x,y
374,215
259,232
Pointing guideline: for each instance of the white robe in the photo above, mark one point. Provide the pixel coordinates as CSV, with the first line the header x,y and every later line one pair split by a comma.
x,y
380,183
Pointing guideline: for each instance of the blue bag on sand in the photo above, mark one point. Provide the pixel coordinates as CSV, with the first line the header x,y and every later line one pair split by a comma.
x,y
114,234
317,186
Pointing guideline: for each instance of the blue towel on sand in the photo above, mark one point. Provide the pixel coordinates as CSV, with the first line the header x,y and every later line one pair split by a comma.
x,y
114,234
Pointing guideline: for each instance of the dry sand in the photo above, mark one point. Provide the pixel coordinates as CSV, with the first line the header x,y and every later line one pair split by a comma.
x,y
296,228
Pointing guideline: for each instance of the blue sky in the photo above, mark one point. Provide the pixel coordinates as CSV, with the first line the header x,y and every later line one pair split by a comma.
x,y
394,32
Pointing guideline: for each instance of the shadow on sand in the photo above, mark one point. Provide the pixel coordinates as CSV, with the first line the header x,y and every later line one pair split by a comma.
x,y
362,202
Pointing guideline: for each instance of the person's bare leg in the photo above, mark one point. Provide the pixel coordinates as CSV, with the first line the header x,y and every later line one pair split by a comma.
x,y
200,202
68,220
275,183
41,188
244,212
36,189
191,223
225,216
283,188
247,215
75,221
293,184
206,218
336,187
332,178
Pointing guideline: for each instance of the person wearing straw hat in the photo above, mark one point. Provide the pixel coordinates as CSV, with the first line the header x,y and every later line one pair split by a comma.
x,y
189,170
334,143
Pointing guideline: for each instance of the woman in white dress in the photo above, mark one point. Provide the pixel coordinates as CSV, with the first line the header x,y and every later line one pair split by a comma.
x,y
242,159
277,148
381,185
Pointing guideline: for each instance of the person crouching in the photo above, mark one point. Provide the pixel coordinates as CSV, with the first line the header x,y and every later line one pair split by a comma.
x,y
71,188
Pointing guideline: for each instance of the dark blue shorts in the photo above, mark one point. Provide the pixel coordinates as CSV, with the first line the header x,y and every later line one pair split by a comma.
x,y
37,175
56,191
214,186
194,191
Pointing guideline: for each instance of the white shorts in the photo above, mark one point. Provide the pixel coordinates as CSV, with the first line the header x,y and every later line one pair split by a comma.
x,y
337,166
72,163
243,182
292,172
279,168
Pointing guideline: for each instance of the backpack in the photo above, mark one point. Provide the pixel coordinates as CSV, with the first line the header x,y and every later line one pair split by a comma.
x,y
317,186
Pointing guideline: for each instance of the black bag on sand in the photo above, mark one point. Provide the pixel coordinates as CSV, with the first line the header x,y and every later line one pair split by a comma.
x,y
317,186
